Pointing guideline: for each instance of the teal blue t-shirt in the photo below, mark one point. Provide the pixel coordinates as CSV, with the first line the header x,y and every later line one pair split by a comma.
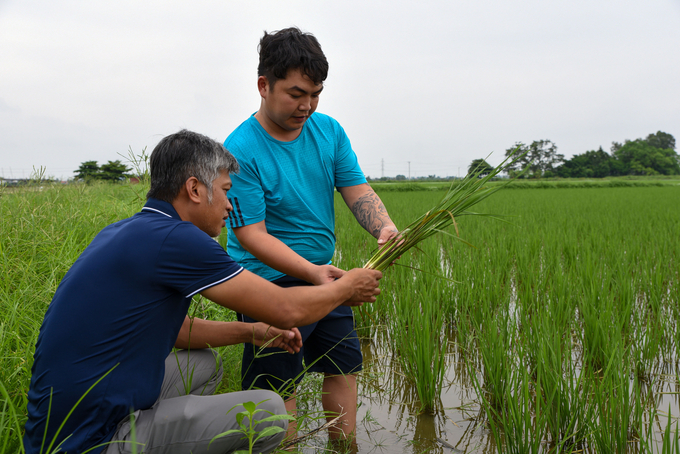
x,y
290,186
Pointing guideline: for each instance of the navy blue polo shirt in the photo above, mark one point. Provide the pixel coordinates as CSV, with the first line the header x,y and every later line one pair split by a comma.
x,y
118,310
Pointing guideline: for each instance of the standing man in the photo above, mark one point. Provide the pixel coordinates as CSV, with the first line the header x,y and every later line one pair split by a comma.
x,y
283,228
104,377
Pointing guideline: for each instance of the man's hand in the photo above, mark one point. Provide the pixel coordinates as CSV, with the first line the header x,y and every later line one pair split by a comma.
x,y
365,285
387,233
324,274
289,340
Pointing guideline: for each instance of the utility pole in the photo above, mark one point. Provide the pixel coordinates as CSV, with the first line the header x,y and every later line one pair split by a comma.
x,y
382,168
409,170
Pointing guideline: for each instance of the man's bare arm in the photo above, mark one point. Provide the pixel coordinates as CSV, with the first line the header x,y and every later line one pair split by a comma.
x,y
369,211
286,308
197,333
276,254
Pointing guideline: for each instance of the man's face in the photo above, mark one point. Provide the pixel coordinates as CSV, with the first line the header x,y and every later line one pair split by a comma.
x,y
214,214
290,102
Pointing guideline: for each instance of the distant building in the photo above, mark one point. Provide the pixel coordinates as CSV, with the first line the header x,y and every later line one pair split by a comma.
x,y
12,181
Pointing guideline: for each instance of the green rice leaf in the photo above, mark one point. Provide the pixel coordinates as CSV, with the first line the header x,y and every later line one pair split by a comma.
x,y
460,197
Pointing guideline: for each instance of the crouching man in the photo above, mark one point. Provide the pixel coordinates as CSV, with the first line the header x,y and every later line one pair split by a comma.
x,y
104,373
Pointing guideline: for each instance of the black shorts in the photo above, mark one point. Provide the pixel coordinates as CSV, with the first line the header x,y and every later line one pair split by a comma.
x,y
329,346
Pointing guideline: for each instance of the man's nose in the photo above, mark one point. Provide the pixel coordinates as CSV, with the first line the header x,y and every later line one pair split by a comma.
x,y
305,105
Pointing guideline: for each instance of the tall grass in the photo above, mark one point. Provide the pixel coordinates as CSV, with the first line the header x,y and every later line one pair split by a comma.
x,y
43,231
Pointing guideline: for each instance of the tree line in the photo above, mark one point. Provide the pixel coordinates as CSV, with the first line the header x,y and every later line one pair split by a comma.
x,y
111,171
654,155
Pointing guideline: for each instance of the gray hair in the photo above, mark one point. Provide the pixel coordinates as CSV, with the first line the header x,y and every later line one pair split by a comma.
x,y
183,155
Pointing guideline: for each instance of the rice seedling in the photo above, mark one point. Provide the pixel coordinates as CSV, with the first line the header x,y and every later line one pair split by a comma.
x,y
519,425
616,407
563,387
422,345
670,443
495,344
601,334
647,343
565,393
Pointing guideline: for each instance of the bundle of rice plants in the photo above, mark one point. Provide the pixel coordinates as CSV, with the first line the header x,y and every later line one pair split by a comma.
x,y
458,201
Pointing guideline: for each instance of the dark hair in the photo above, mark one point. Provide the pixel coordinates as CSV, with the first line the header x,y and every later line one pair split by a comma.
x,y
183,155
291,49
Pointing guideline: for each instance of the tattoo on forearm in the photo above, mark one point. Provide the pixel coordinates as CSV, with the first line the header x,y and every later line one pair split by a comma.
x,y
371,213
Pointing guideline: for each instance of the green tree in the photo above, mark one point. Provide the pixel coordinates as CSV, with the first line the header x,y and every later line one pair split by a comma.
x,y
638,157
113,171
591,164
661,140
481,166
540,159
88,171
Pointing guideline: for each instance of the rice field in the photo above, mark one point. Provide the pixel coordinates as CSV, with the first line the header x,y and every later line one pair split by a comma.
x,y
556,332
561,332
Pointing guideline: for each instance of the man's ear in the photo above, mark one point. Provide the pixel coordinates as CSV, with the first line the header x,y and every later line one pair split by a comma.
x,y
194,188
263,86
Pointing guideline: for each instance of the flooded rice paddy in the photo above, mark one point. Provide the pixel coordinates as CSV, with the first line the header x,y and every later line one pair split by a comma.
x,y
554,330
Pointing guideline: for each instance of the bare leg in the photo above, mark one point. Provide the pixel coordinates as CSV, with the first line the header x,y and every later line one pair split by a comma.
x,y
340,396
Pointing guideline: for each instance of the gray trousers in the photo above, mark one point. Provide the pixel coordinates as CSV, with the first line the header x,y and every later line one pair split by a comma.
x,y
182,422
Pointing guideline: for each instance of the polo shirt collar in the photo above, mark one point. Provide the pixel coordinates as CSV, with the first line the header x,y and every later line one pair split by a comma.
x,y
160,207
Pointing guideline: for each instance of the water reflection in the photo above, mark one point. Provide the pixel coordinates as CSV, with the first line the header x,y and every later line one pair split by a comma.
x,y
390,401
389,419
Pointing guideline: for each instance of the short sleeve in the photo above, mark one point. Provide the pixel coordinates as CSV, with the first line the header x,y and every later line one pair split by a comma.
x,y
347,169
247,192
190,261
246,196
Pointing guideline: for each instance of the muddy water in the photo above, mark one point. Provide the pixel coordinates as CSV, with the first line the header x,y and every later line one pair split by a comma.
x,y
389,420
390,411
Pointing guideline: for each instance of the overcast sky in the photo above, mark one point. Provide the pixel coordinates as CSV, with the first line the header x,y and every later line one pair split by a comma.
x,y
436,83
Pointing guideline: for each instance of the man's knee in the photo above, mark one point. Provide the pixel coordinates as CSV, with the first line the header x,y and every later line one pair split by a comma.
x,y
271,402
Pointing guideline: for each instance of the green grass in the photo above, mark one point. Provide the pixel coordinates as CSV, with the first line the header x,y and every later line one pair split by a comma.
x,y
566,317
543,183
43,233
